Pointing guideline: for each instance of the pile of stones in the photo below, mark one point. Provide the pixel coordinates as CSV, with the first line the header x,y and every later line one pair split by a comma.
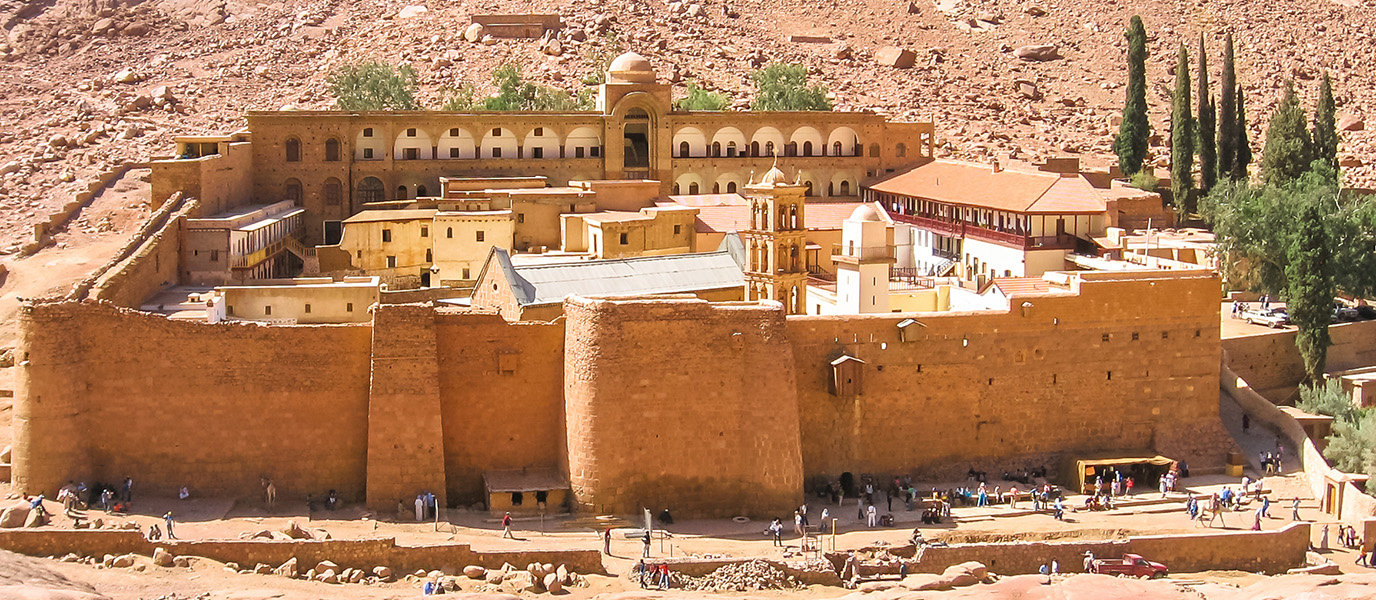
x,y
535,578
737,577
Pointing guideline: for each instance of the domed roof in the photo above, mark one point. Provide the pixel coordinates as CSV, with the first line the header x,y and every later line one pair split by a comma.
x,y
865,212
773,177
631,68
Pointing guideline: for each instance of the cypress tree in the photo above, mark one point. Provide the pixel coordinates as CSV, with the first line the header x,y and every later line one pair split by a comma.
x,y
1310,289
1227,114
1325,133
1243,150
1289,149
1208,157
1182,136
1131,143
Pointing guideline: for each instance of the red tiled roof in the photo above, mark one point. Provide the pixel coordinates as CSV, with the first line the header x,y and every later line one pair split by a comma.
x,y
1022,285
969,184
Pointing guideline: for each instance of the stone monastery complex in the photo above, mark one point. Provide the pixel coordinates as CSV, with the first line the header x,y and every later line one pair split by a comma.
x,y
638,306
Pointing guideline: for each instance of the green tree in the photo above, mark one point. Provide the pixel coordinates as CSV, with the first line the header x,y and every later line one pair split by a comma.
x,y
373,85
1325,131
514,93
601,57
1310,297
1327,398
461,99
782,86
1351,446
701,99
1182,135
1205,128
1242,151
1227,114
1289,150
1133,133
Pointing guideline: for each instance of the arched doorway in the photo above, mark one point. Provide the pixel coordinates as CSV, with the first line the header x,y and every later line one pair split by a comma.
x,y
370,190
636,141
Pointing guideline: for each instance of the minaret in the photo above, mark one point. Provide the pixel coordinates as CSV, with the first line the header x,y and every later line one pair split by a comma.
x,y
862,267
776,268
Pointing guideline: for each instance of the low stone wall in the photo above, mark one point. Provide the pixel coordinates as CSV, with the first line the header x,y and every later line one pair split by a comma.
x,y
55,220
423,295
358,554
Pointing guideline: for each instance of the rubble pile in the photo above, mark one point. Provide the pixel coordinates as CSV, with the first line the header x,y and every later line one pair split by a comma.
x,y
737,577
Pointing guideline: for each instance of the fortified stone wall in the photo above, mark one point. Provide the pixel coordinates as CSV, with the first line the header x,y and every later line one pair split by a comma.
x,y
1129,364
1271,363
675,402
106,392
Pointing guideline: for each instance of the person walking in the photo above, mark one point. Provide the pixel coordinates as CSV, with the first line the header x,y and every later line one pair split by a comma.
x,y
1266,506
640,573
127,493
607,541
1323,538
506,523
776,530
664,576
1295,509
1089,562
797,524
168,518
872,516
1060,510
420,508
645,539
1361,557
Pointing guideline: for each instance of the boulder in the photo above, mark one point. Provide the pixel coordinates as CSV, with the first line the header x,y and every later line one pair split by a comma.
x,y
127,76
554,48
262,569
135,30
553,584
14,516
1347,123
287,569
125,560
474,572
101,26
382,573
494,577
1027,89
520,582
963,574
414,10
295,532
474,32
35,519
181,561
1037,52
1349,162
893,56
922,582
536,569
564,574
163,558
329,576
326,565
876,586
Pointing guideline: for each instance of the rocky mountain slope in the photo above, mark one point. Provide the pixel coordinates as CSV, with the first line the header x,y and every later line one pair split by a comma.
x,y
85,84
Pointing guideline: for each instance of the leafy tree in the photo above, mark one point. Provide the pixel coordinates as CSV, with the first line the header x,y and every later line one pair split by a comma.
x,y
516,94
1144,180
1242,152
1133,133
1310,297
601,57
1328,398
462,98
373,85
701,99
1289,150
1227,114
1182,135
1325,132
782,86
1351,446
1205,128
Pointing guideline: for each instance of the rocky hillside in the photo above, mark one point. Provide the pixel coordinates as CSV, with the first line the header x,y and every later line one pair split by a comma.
x,y
85,84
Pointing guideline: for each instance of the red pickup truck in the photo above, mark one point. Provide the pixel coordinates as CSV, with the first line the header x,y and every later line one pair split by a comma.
x,y
1131,565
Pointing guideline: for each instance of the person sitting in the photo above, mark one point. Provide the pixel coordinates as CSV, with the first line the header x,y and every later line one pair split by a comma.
x,y
665,517
184,493
331,501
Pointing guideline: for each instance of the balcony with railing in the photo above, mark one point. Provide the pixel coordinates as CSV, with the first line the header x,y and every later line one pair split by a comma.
x,y
851,254
961,229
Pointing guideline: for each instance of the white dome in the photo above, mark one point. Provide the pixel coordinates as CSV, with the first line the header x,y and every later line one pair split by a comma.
x,y
865,212
631,68
773,177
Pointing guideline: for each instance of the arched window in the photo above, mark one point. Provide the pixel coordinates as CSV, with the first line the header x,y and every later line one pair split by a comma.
x,y
693,189
874,150
331,150
791,149
292,191
401,192
683,150
716,187
716,149
293,150
334,192
845,188
808,191
901,150
429,256
676,189
370,190
421,191
730,187
831,189
731,149
807,148
769,148
836,149
754,148
449,233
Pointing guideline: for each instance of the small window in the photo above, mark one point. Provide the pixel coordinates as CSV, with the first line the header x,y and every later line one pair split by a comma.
x,y
578,152
1110,376
520,217
1106,338
625,239
267,311
429,257
1135,336
454,132
1196,333
293,150
482,236
424,231
359,254
214,256
453,153
331,150
367,153
449,233
412,153
465,272
367,132
539,132
1165,335
386,235
496,153
411,132
537,152
308,308
678,229
349,307
497,132
595,151
391,262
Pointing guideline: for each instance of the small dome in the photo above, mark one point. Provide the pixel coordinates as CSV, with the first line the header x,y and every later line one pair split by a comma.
x,y
773,177
865,212
631,68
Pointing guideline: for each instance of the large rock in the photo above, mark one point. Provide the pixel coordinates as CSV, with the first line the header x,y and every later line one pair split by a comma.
x,y
414,10
893,56
474,572
329,576
520,582
564,574
326,565
1037,52
163,558
383,573
126,560
35,519
474,32
1347,123
1027,89
963,574
494,577
295,532
287,569
14,516
553,584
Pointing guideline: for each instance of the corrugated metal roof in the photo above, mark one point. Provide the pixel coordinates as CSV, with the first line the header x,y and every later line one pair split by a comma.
x,y
675,273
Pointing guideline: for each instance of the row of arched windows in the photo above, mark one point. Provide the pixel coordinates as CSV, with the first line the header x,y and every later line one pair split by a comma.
x,y
332,191
293,150
685,150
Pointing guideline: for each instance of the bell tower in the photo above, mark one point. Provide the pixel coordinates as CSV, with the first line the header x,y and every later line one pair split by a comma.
x,y
776,265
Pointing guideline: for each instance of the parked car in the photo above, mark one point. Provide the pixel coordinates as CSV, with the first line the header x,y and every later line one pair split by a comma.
x,y
1270,317
1343,314
1131,565
1366,311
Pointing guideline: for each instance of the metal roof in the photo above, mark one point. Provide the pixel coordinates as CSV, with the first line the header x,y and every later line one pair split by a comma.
x,y
674,273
